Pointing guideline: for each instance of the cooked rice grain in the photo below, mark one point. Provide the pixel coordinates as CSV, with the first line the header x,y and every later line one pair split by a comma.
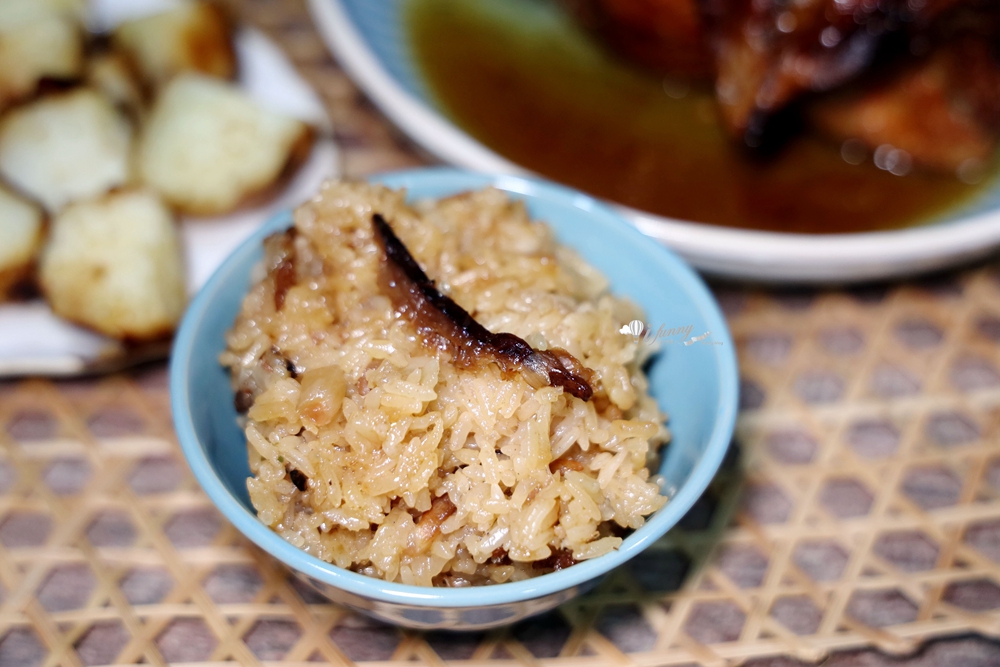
x,y
415,470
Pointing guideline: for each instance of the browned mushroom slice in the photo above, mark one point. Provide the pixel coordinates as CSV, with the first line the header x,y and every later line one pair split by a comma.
x,y
445,325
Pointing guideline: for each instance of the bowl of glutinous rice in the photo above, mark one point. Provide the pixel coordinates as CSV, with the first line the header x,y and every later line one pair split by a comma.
x,y
453,400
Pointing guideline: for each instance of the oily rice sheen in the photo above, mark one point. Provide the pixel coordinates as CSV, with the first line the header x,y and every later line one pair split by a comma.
x,y
372,449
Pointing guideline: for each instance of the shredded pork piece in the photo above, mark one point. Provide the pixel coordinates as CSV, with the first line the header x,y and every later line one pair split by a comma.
x,y
430,522
559,560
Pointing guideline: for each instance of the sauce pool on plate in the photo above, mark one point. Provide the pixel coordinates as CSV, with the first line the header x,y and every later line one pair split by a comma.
x,y
522,79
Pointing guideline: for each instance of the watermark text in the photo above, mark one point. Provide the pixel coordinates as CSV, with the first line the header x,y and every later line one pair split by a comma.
x,y
666,335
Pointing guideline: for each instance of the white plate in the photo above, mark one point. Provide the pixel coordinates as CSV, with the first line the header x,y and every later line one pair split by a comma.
x,y
352,27
34,341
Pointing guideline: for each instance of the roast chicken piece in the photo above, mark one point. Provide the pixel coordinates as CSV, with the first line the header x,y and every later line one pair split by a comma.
x,y
665,36
943,110
769,52
915,81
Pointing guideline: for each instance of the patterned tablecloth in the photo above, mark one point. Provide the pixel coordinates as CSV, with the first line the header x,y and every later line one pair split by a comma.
x,y
857,517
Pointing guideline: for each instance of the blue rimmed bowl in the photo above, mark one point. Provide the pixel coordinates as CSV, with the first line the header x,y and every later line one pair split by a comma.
x,y
696,384
371,40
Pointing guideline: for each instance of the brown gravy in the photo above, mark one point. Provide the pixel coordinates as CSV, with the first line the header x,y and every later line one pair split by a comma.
x,y
522,80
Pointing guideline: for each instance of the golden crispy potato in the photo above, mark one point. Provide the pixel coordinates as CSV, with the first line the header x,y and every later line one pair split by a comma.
x,y
111,74
208,148
18,13
34,46
22,230
65,147
114,264
194,37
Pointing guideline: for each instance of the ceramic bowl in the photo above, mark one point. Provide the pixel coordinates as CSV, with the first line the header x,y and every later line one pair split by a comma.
x,y
371,42
696,383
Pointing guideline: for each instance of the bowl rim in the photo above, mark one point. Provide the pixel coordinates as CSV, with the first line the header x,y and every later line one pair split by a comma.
x,y
725,251
479,596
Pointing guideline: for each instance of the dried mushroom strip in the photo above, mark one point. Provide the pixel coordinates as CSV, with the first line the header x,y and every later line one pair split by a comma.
x,y
445,325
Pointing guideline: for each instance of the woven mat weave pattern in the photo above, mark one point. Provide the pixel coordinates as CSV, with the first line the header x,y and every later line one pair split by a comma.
x,y
860,505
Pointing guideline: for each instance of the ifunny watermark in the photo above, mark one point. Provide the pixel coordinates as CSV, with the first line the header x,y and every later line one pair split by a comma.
x,y
667,335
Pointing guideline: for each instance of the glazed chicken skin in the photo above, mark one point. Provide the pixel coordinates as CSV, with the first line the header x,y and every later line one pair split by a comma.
x,y
770,52
665,36
917,76
942,110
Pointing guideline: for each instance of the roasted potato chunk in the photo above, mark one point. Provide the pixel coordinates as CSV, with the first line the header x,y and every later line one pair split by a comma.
x,y
114,264
17,13
48,48
110,74
21,228
208,148
35,45
65,147
193,37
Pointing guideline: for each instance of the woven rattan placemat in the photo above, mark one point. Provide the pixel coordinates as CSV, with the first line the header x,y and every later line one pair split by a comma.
x,y
860,506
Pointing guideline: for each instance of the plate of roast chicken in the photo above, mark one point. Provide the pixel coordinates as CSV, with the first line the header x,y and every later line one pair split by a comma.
x,y
807,141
